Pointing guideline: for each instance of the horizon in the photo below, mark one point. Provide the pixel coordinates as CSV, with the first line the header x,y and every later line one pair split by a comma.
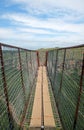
x,y
50,48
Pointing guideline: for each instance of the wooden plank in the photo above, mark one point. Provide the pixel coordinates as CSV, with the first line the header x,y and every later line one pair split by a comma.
x,y
48,114
36,113
37,106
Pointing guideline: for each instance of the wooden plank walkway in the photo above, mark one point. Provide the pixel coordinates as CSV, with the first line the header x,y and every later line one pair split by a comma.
x,y
48,114
36,113
36,118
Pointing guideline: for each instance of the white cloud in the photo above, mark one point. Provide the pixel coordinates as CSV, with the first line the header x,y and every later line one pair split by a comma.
x,y
26,36
34,31
6,33
52,23
77,5
32,42
12,34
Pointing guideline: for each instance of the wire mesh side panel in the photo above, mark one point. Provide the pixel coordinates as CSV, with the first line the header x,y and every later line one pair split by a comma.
x,y
34,64
58,74
66,85
32,72
29,70
42,57
4,120
80,119
14,84
54,60
70,87
29,65
49,64
18,69
25,73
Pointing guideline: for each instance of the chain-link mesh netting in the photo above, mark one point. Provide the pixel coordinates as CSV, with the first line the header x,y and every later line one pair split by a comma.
x,y
42,57
18,68
4,120
67,78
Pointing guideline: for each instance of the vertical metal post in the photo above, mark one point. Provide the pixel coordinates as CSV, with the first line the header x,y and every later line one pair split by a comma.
x,y
46,58
5,89
37,58
80,91
21,73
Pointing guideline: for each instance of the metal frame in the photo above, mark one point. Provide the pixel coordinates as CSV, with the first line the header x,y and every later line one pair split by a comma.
x,y
59,91
5,89
80,91
11,124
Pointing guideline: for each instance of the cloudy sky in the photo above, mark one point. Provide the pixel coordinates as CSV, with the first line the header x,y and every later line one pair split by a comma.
x,y
42,23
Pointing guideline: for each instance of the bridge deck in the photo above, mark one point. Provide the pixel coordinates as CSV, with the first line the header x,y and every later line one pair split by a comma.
x,y
37,118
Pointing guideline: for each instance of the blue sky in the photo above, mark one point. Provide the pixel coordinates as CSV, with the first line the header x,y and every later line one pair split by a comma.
x,y
36,24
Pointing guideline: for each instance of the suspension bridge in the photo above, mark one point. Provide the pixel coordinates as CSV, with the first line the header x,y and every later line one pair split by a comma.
x,y
41,90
